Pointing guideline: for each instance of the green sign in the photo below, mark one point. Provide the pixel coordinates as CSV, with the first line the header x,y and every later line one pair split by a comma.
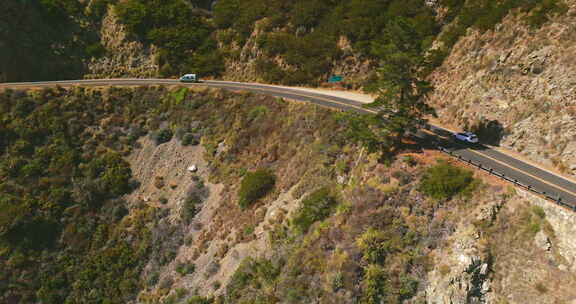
x,y
335,79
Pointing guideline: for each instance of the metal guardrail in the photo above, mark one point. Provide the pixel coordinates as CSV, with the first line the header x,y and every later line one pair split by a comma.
x,y
548,196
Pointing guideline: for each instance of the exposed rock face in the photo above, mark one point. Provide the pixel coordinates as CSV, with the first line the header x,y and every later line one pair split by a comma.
x,y
521,77
562,221
465,280
542,241
351,65
244,67
462,273
124,57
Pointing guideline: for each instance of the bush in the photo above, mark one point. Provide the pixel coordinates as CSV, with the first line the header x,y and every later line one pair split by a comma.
x,y
163,136
403,177
189,139
199,300
194,198
191,207
257,112
541,288
315,207
256,273
254,186
444,181
184,268
373,284
373,245
113,174
539,211
95,50
153,279
540,15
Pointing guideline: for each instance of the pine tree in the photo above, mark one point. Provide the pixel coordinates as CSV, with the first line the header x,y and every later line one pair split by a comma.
x,y
401,91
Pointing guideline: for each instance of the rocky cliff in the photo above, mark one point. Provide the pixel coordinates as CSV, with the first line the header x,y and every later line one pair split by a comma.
x,y
518,82
243,61
123,56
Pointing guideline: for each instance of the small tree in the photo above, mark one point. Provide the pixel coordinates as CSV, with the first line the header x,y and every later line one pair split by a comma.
x,y
401,91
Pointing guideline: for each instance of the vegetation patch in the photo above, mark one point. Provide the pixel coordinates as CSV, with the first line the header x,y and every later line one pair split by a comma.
x,y
315,207
252,276
163,136
444,181
254,186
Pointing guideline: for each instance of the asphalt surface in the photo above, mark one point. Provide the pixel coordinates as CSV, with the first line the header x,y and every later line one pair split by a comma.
x,y
283,92
523,174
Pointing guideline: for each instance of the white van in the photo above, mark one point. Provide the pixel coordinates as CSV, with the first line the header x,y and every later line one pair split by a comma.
x,y
189,78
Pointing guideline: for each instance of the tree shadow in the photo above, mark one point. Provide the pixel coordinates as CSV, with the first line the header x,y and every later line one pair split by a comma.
x,y
489,131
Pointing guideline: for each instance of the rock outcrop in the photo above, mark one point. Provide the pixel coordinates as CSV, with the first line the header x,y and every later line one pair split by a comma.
x,y
562,221
124,56
463,270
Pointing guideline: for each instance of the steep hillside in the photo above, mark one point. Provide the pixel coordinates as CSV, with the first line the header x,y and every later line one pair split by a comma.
x,y
41,40
174,195
514,86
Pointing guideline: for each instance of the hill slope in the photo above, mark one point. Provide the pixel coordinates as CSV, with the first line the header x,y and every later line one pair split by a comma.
x,y
105,202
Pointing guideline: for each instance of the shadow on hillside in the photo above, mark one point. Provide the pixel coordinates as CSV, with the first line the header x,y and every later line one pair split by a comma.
x,y
489,131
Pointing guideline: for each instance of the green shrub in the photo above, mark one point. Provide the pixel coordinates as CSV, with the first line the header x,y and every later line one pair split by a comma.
x,y
163,136
403,177
199,300
315,207
373,245
373,284
444,181
95,50
257,112
191,207
185,268
444,269
153,279
189,139
539,211
255,273
541,14
254,186
248,230
98,8
112,172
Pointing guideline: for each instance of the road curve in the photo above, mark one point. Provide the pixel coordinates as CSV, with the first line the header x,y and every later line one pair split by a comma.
x,y
549,184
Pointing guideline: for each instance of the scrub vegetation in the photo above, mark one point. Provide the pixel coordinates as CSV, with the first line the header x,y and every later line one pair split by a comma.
x,y
64,178
202,35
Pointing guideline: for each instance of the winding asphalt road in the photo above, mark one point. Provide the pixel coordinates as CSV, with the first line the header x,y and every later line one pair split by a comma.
x,y
551,185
